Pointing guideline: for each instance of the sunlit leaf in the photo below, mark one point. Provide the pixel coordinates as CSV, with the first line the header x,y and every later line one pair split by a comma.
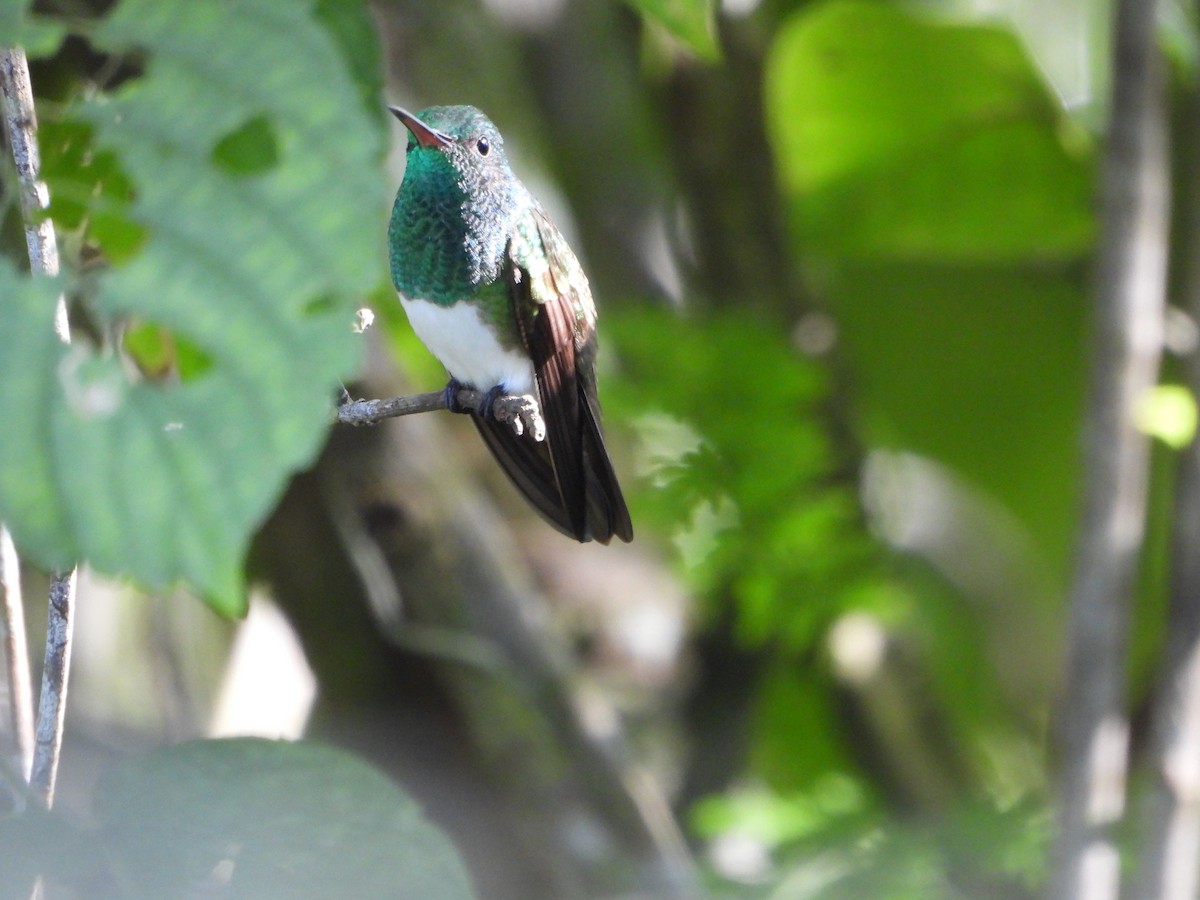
x,y
691,21
1169,413
900,135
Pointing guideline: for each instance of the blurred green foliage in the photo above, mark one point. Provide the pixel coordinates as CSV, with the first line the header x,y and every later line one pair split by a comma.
x,y
738,479
869,478
691,21
939,203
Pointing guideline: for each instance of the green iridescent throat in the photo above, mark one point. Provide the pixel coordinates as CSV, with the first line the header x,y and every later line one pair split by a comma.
x,y
427,234
455,211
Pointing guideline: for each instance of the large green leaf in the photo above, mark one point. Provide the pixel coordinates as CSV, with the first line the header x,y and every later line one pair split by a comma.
x,y
256,818
257,188
899,135
236,818
355,35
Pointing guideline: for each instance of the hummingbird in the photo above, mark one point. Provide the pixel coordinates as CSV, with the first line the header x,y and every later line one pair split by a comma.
x,y
491,287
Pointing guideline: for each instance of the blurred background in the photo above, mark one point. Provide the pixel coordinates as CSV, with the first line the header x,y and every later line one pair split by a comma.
x,y
841,252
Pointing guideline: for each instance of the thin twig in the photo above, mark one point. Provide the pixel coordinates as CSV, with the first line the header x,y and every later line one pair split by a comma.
x,y
20,124
53,704
14,81
16,653
521,411
370,412
1167,867
1129,297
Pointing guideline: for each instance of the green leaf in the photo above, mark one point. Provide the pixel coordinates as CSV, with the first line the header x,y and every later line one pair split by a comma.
x,y
250,149
933,349
255,260
1168,413
353,29
745,529
34,841
90,194
898,135
36,37
256,818
691,21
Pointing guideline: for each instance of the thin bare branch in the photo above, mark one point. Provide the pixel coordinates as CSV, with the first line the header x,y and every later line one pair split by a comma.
x,y
16,653
20,125
371,412
520,410
1167,863
17,107
53,704
1129,298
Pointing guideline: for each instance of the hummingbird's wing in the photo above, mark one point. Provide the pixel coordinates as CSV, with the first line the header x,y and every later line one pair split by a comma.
x,y
568,477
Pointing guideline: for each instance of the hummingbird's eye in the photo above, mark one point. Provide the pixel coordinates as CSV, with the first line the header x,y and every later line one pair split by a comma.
x,y
483,146
410,146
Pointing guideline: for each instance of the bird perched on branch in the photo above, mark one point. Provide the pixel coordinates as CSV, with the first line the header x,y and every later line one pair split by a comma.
x,y
492,289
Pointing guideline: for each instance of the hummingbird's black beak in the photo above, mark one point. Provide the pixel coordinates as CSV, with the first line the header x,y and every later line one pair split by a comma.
x,y
426,136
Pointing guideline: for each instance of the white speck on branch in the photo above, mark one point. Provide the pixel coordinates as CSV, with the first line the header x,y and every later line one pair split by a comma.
x,y
20,126
521,411
1129,291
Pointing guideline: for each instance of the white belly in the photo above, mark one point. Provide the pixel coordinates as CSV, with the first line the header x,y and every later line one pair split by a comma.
x,y
468,350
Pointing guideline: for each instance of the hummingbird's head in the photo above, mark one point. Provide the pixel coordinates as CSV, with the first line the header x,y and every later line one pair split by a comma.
x,y
456,169
462,136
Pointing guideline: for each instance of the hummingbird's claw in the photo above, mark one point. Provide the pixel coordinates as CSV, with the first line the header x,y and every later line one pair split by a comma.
x,y
523,413
520,411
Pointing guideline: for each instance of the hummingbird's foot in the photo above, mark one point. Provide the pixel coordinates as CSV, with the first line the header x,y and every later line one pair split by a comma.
x,y
522,412
487,405
519,411
452,402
